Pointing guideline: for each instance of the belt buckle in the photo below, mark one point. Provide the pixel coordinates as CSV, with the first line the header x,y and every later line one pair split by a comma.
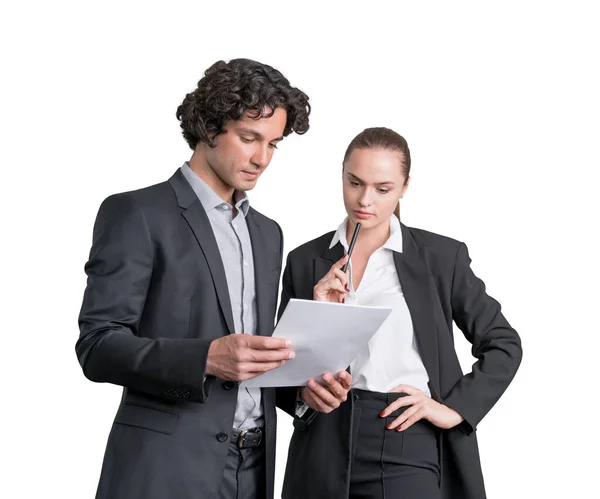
x,y
242,436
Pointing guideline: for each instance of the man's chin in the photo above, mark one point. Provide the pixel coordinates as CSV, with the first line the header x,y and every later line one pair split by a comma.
x,y
246,185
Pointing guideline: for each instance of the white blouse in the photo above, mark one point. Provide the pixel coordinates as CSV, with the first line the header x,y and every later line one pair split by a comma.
x,y
391,357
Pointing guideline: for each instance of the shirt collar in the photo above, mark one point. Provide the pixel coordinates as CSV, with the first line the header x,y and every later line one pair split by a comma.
x,y
393,243
209,198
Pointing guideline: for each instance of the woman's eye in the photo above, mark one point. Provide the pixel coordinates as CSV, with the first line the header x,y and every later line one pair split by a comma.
x,y
246,140
382,191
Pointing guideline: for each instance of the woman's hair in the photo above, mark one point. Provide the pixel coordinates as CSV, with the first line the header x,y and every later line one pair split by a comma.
x,y
382,138
230,89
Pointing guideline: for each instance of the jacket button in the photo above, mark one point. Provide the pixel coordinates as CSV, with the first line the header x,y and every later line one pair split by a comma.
x,y
222,437
228,385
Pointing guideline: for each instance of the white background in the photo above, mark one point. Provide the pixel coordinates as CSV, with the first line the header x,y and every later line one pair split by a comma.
x,y
500,106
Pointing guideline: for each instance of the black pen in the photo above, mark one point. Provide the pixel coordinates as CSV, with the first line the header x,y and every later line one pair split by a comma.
x,y
354,236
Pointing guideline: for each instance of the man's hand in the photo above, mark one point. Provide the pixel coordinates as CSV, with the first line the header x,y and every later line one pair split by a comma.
x,y
329,397
238,357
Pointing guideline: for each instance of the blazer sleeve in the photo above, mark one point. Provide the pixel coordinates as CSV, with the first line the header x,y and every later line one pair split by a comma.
x,y
495,344
109,348
286,397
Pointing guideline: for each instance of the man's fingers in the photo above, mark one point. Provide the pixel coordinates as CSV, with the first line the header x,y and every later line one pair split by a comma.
x,y
267,342
315,402
335,387
270,355
345,378
323,393
252,369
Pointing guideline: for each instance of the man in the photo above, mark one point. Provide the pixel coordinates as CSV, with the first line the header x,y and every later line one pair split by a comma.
x,y
176,268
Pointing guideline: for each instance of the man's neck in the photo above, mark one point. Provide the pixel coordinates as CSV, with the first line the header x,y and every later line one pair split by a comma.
x,y
200,167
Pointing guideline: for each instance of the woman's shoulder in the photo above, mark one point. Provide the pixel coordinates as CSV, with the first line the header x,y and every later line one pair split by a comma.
x,y
426,238
313,247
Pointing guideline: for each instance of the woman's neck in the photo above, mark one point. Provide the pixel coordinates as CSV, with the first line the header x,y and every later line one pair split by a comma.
x,y
368,240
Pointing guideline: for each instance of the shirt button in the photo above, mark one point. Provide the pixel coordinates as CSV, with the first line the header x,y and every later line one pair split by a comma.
x,y
228,385
222,437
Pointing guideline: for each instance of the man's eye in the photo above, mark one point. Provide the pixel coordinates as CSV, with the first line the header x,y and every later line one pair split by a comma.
x,y
354,184
273,146
246,140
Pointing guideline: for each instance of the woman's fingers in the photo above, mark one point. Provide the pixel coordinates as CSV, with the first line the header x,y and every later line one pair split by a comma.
x,y
396,404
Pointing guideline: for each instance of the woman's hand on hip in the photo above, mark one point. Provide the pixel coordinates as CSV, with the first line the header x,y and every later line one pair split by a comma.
x,y
333,287
420,406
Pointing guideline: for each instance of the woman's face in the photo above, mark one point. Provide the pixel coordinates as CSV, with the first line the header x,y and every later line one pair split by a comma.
x,y
373,183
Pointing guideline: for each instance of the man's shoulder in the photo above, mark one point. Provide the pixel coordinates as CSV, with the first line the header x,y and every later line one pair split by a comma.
x,y
143,197
263,221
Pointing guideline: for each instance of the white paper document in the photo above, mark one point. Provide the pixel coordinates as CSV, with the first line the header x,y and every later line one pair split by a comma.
x,y
326,337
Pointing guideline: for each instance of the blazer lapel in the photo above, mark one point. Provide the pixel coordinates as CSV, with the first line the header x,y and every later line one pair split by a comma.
x,y
198,221
326,260
261,274
413,272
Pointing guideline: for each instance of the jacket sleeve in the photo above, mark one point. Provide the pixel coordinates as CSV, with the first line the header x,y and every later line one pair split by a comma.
x,y
286,396
495,344
110,348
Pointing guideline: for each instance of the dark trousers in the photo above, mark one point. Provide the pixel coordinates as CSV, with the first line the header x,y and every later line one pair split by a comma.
x,y
387,464
245,473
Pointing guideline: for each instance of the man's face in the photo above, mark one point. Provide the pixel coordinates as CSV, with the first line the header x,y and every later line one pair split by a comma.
x,y
244,150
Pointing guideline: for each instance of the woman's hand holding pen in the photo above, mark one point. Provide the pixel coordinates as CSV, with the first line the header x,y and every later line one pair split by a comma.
x,y
329,397
422,407
333,287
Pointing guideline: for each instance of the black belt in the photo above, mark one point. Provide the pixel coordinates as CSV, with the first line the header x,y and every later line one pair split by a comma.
x,y
252,437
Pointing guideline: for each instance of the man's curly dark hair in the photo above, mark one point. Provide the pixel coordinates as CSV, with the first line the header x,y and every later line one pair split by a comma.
x,y
230,89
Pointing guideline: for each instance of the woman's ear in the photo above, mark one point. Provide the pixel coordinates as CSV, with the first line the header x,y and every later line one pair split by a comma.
x,y
404,187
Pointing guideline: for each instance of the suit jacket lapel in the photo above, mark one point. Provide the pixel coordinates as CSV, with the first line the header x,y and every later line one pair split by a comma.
x,y
198,221
324,262
261,274
413,272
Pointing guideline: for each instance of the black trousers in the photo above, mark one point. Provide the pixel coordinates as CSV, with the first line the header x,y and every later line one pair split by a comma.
x,y
245,473
387,464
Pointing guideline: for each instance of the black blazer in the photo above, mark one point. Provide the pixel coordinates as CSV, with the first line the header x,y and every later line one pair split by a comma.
x,y
439,287
156,297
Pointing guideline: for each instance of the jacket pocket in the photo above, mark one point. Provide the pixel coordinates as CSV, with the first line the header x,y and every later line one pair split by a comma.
x,y
147,418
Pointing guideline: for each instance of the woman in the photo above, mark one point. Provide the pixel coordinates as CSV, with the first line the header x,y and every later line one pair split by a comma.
x,y
408,428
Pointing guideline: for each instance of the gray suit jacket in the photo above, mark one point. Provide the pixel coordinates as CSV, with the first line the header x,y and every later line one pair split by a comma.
x,y
440,288
156,297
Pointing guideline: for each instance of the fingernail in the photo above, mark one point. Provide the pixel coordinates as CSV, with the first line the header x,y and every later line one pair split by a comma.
x,y
382,414
388,426
312,384
343,300
347,288
398,429
291,355
288,343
